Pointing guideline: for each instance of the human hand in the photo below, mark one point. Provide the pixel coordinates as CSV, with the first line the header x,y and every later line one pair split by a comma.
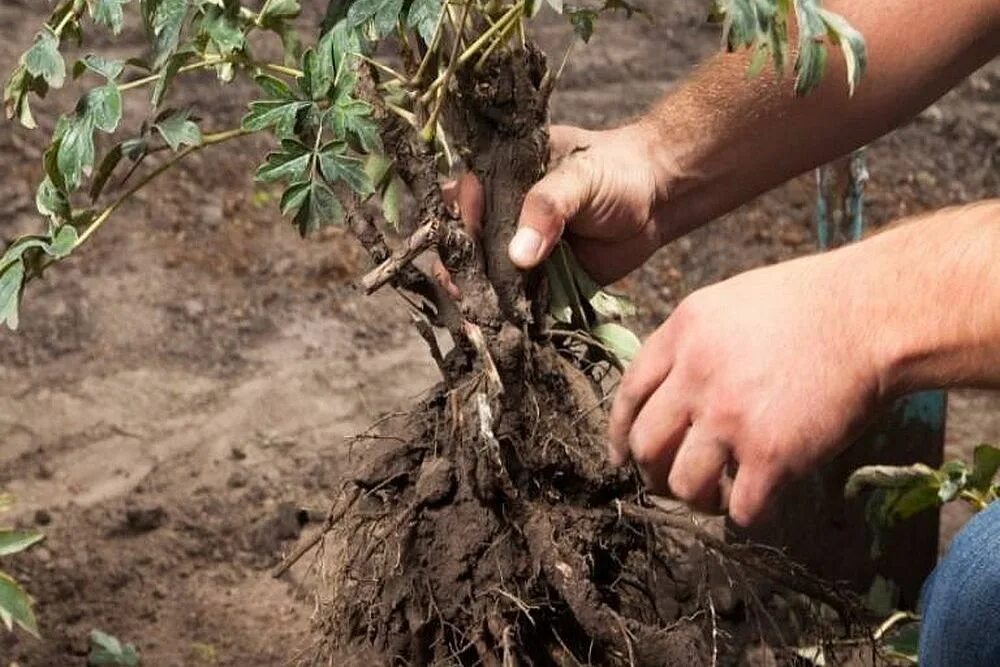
x,y
764,370
602,191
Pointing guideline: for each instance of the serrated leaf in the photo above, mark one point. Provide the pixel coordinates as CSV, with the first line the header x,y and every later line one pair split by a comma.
x,y
108,13
424,16
15,605
224,30
11,281
337,165
851,43
618,339
108,651
44,60
319,208
16,541
383,15
177,129
279,114
164,20
317,74
293,196
287,164
352,119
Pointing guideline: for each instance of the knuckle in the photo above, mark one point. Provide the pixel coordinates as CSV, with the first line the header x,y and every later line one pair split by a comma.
x,y
543,204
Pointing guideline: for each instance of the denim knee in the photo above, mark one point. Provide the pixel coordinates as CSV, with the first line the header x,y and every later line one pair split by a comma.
x,y
960,604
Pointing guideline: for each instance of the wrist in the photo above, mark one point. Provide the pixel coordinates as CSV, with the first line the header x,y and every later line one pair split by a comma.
x,y
931,299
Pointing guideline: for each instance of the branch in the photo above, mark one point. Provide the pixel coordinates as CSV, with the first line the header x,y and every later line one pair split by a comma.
x,y
418,243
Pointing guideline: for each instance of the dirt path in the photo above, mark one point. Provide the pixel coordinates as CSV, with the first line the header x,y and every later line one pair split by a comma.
x,y
182,390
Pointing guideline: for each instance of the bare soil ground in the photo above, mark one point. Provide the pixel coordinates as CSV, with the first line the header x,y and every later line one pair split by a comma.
x,y
177,406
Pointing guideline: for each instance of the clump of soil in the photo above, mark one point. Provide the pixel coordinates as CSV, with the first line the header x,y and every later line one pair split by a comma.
x,y
491,530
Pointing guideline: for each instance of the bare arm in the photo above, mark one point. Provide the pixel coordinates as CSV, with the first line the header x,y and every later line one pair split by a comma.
x,y
723,139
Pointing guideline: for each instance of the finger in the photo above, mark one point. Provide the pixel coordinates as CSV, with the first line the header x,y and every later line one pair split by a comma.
x,y
646,372
466,199
443,279
699,464
751,496
554,200
656,434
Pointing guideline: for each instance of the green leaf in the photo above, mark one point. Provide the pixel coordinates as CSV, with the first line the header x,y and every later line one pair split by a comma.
x,y
76,150
423,17
274,88
167,75
619,340
106,650
318,74
15,605
15,541
561,289
294,196
985,463
280,114
178,130
108,13
44,60
604,303
582,20
164,20
11,282
319,208
851,43
279,10
104,106
224,30
288,163
16,91
336,165
52,201
109,68
382,15
352,119
811,60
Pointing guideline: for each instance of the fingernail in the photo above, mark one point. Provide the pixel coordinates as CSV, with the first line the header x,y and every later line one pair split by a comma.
x,y
525,247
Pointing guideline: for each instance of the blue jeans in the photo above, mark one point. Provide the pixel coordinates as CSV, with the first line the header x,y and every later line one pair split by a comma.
x,y
960,601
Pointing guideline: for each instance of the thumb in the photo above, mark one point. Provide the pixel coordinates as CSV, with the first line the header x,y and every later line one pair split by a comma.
x,y
547,208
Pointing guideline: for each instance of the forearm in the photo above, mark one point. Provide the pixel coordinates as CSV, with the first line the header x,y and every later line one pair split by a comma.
x,y
926,295
724,138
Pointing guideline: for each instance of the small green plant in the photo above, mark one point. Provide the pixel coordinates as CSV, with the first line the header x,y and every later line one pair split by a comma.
x,y
899,492
15,604
108,651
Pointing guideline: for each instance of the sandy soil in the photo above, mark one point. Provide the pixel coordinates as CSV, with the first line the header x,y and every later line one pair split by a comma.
x,y
178,403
